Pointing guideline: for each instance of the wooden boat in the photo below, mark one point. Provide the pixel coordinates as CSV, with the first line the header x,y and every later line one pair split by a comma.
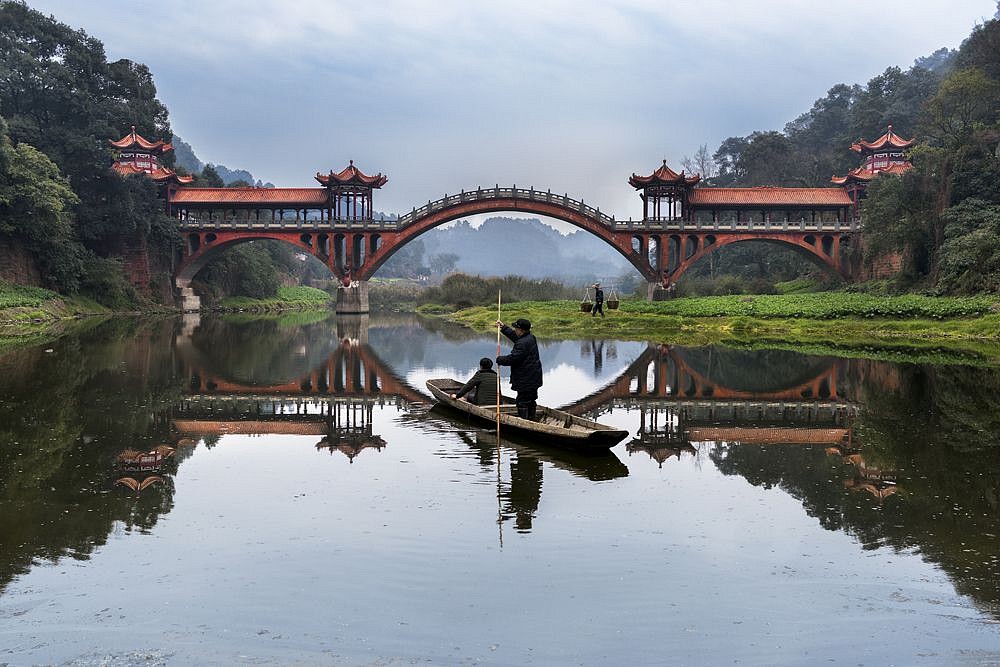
x,y
551,427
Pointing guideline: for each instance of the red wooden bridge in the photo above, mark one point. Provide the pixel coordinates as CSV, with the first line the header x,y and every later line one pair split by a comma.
x,y
683,220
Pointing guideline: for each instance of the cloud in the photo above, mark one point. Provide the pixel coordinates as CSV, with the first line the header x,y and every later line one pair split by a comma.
x,y
447,95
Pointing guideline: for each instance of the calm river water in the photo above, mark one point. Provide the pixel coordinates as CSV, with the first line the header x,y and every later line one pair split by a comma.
x,y
280,491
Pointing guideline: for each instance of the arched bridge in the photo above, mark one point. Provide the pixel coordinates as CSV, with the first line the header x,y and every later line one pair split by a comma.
x,y
661,249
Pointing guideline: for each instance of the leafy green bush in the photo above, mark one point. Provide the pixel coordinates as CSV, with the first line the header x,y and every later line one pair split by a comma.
x,y
822,306
104,281
23,296
462,291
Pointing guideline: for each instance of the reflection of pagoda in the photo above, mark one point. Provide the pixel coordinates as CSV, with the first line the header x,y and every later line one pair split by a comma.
x,y
138,471
351,441
660,453
885,155
879,482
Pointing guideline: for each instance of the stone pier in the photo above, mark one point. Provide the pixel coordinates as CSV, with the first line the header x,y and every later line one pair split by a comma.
x,y
189,301
353,299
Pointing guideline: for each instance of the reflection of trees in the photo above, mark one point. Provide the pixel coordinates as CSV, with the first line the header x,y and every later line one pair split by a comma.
x,y
262,351
936,426
64,417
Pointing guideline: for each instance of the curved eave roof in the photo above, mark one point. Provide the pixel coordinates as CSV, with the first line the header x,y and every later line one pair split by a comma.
x,y
890,138
351,175
664,175
133,140
863,175
769,196
160,175
259,196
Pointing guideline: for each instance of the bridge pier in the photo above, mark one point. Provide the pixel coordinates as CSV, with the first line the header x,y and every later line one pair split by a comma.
x,y
656,292
189,301
353,299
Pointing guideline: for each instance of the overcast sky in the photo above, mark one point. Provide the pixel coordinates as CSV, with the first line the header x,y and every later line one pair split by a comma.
x,y
446,95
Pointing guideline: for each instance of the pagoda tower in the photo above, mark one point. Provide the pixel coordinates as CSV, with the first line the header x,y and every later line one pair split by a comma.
x,y
664,193
351,192
136,155
885,155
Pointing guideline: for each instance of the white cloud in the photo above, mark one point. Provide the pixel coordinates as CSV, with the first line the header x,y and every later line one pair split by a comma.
x,y
448,94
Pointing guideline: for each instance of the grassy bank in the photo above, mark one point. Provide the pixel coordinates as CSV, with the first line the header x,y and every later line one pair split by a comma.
x,y
32,315
288,298
913,328
26,305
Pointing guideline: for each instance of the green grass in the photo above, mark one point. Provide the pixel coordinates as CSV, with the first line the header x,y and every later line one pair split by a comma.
x,y
916,328
287,297
28,306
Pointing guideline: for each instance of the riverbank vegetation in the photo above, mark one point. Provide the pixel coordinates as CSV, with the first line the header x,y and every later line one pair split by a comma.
x,y
287,298
906,327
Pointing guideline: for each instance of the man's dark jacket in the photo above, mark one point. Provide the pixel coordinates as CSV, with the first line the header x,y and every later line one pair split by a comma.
x,y
525,366
484,383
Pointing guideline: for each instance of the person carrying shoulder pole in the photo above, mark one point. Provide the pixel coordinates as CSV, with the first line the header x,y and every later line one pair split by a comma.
x,y
598,301
525,366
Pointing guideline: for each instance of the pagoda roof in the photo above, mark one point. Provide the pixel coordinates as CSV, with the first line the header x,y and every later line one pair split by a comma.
x,y
251,195
864,175
890,139
351,175
134,140
769,196
160,174
664,175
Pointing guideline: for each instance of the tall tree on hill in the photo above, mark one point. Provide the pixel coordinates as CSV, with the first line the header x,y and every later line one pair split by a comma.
x,y
35,200
61,95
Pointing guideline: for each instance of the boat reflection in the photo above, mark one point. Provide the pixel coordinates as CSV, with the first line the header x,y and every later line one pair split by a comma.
x,y
520,495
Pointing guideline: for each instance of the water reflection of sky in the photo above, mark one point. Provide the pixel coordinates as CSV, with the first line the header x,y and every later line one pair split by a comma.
x,y
273,547
571,369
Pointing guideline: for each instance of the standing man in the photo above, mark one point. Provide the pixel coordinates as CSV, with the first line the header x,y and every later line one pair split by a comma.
x,y
598,301
525,366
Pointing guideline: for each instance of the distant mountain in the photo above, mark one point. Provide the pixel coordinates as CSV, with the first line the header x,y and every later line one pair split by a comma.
x,y
526,247
187,159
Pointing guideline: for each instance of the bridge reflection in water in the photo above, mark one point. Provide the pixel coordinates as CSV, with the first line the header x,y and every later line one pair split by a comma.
x,y
684,397
689,401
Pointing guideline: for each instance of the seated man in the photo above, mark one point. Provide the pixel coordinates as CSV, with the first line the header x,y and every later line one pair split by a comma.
x,y
483,385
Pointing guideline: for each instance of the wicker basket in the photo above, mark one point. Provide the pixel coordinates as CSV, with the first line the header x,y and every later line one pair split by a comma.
x,y
586,306
613,300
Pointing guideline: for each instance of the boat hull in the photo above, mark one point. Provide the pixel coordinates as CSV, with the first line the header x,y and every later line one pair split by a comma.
x,y
552,427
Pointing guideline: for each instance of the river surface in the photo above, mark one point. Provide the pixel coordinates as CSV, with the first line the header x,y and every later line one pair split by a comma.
x,y
281,491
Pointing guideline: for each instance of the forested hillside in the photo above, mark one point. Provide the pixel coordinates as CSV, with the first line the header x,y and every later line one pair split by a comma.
x,y
943,216
67,220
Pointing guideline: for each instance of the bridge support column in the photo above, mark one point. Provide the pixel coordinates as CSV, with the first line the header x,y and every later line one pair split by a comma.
x,y
189,301
656,292
353,299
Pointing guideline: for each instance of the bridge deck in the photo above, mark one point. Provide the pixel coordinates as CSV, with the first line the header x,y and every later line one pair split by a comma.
x,y
519,194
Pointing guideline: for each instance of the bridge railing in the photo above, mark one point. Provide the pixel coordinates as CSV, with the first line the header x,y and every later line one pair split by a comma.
x,y
496,192
742,226
526,194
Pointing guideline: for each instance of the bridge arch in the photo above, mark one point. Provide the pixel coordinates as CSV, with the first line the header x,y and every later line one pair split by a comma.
x,y
545,204
825,249
205,246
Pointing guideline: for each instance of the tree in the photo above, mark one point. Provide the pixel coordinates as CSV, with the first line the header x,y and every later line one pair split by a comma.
x,y
966,101
729,160
443,263
209,178
35,200
970,256
701,164
981,50
62,96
